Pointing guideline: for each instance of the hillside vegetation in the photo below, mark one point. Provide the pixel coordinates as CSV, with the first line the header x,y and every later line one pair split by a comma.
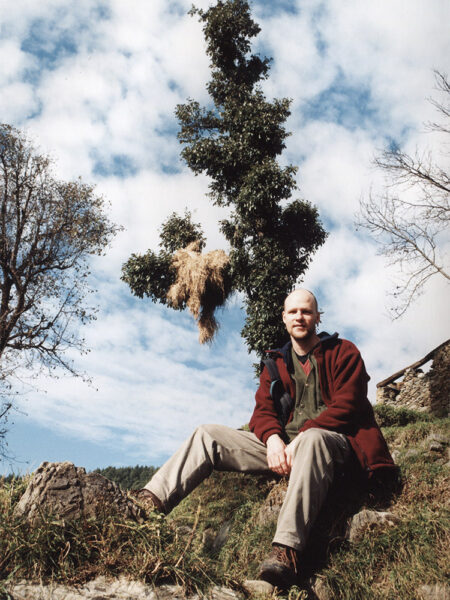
x,y
129,478
389,562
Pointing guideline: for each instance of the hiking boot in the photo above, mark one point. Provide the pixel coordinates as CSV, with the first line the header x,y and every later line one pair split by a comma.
x,y
148,500
280,567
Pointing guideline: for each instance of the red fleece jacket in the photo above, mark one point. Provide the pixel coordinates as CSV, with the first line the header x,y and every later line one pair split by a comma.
x,y
343,383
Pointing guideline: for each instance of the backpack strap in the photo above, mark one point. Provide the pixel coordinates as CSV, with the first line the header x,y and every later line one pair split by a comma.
x,y
282,400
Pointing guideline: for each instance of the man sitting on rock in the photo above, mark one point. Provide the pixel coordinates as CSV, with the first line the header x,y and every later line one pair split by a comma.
x,y
331,420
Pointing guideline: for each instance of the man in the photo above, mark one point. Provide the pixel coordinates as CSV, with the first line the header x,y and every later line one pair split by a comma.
x,y
330,421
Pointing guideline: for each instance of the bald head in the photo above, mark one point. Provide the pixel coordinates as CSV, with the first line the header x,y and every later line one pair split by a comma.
x,y
301,317
302,294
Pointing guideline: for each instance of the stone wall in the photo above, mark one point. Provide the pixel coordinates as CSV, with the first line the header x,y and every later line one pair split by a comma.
x,y
427,392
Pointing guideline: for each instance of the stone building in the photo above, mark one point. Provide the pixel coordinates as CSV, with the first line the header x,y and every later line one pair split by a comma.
x,y
427,392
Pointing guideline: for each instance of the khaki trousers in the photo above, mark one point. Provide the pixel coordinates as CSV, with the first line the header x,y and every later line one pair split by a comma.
x,y
216,447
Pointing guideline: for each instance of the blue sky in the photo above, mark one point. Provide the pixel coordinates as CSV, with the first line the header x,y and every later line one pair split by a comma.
x,y
96,83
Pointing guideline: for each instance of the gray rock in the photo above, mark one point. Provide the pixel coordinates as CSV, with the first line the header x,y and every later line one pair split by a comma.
x,y
438,438
97,589
366,519
221,537
212,540
439,591
435,447
183,531
319,589
395,455
111,589
257,587
412,453
223,593
68,492
271,507
208,537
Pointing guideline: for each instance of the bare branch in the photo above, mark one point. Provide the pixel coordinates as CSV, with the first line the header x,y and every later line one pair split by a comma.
x,y
409,218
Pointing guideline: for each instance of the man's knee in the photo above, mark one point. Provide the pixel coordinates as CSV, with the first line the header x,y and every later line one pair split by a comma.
x,y
212,435
209,430
314,436
328,445
312,440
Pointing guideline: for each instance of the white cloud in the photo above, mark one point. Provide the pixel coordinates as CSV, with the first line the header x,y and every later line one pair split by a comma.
x,y
335,169
96,81
149,395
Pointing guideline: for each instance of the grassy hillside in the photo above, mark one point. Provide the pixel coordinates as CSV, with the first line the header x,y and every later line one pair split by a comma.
x,y
389,562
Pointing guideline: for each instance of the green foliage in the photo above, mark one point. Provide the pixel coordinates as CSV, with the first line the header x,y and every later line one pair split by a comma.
x,y
390,416
177,232
129,478
149,275
236,141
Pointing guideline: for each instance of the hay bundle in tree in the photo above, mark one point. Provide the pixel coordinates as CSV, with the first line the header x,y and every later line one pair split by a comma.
x,y
203,283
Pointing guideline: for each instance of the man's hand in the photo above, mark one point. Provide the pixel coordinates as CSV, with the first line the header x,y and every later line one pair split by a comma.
x,y
290,450
276,456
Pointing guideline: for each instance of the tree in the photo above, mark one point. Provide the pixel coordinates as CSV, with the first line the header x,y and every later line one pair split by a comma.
x,y
48,231
236,141
408,218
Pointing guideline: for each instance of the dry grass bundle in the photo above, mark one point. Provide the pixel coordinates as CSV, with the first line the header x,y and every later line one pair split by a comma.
x,y
202,283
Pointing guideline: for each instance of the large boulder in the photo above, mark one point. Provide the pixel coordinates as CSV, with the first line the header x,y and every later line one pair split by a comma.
x,y
68,492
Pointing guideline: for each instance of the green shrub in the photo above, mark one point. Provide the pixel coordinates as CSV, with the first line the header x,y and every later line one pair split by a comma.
x,y
389,416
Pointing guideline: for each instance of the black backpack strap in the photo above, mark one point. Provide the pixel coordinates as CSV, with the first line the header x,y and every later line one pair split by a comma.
x,y
281,398
271,366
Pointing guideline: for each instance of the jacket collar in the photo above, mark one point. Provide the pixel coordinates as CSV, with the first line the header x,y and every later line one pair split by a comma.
x,y
286,354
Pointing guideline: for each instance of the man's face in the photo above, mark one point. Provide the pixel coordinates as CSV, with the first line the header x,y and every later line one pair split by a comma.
x,y
300,315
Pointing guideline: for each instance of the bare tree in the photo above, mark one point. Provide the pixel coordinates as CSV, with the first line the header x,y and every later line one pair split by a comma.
x,y
48,231
410,218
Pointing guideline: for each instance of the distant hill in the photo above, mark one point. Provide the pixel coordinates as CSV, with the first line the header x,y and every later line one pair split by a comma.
x,y
129,478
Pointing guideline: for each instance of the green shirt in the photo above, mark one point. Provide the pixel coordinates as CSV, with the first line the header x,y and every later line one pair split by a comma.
x,y
308,399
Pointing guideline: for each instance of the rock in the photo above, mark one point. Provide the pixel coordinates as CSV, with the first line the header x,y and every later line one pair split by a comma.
x,y
438,591
395,455
412,453
319,589
99,588
221,537
223,593
257,587
208,537
68,492
368,519
214,541
114,589
271,507
183,531
438,438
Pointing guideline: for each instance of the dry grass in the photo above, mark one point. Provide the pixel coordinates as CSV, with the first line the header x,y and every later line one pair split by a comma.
x,y
390,562
202,283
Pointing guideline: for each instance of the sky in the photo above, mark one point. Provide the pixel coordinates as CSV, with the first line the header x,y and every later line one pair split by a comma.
x,y
95,83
